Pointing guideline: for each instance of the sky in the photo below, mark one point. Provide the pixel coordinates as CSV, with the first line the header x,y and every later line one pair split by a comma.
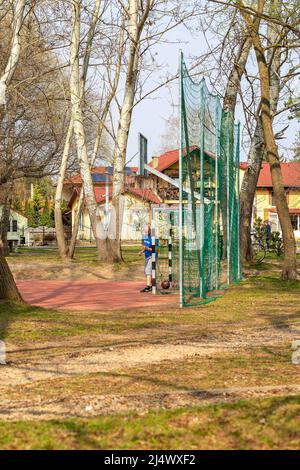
x,y
150,115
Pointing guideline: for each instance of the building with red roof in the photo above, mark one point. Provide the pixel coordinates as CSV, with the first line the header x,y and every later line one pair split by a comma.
x,y
137,199
264,203
153,190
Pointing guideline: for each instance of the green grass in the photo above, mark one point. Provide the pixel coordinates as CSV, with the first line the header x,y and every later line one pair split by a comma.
x,y
259,302
272,423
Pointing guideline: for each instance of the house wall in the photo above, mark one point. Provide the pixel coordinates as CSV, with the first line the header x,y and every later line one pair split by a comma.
x,y
294,198
263,203
136,214
262,200
22,227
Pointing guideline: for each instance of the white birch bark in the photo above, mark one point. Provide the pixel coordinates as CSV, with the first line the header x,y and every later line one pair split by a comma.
x,y
100,128
8,288
135,28
59,226
62,246
78,118
14,55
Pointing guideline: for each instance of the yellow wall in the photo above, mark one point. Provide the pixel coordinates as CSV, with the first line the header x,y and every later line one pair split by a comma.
x,y
262,202
263,198
294,199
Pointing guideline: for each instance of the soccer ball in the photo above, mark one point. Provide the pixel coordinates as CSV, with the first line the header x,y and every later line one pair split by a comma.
x,y
165,284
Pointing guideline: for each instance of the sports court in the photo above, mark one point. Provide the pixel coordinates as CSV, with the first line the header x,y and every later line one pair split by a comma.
x,y
91,295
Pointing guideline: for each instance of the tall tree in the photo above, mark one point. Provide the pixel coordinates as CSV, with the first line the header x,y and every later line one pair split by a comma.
x,y
296,149
289,269
257,147
8,288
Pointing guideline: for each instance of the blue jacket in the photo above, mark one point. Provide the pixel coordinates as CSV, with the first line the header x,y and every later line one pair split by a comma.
x,y
147,241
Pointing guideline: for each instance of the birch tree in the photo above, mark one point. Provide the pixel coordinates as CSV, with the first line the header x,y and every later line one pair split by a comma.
x,y
141,16
8,288
61,242
111,54
113,80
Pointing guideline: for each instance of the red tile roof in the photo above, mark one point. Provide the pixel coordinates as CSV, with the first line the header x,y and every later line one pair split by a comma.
x,y
290,171
145,194
76,179
167,159
100,194
290,174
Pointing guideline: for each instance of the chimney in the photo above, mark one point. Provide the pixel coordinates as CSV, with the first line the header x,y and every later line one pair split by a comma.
x,y
155,161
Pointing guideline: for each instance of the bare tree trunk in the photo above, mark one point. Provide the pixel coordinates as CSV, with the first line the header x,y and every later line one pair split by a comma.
x,y
103,116
289,270
229,104
14,55
257,148
5,221
8,288
75,226
59,226
119,157
248,190
77,117
61,241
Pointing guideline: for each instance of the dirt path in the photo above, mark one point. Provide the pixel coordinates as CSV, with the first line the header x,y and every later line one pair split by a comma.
x,y
122,356
89,361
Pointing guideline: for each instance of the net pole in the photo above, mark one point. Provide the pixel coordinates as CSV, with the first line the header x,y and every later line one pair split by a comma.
x,y
228,199
217,143
238,201
181,275
202,211
170,247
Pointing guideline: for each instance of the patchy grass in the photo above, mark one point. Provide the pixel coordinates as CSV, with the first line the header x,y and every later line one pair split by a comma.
x,y
272,423
261,308
252,367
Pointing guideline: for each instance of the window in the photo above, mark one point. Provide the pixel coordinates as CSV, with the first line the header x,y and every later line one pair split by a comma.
x,y
273,203
272,197
8,226
14,225
294,220
81,221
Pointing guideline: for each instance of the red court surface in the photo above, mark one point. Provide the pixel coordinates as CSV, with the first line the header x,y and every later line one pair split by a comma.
x,y
91,295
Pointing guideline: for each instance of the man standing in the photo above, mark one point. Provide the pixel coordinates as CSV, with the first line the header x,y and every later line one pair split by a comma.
x,y
268,234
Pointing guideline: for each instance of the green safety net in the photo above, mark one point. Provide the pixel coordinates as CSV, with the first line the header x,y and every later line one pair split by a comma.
x,y
209,193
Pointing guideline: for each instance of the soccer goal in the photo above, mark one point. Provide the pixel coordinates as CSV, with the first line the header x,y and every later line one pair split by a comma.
x,y
196,248
165,250
209,232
